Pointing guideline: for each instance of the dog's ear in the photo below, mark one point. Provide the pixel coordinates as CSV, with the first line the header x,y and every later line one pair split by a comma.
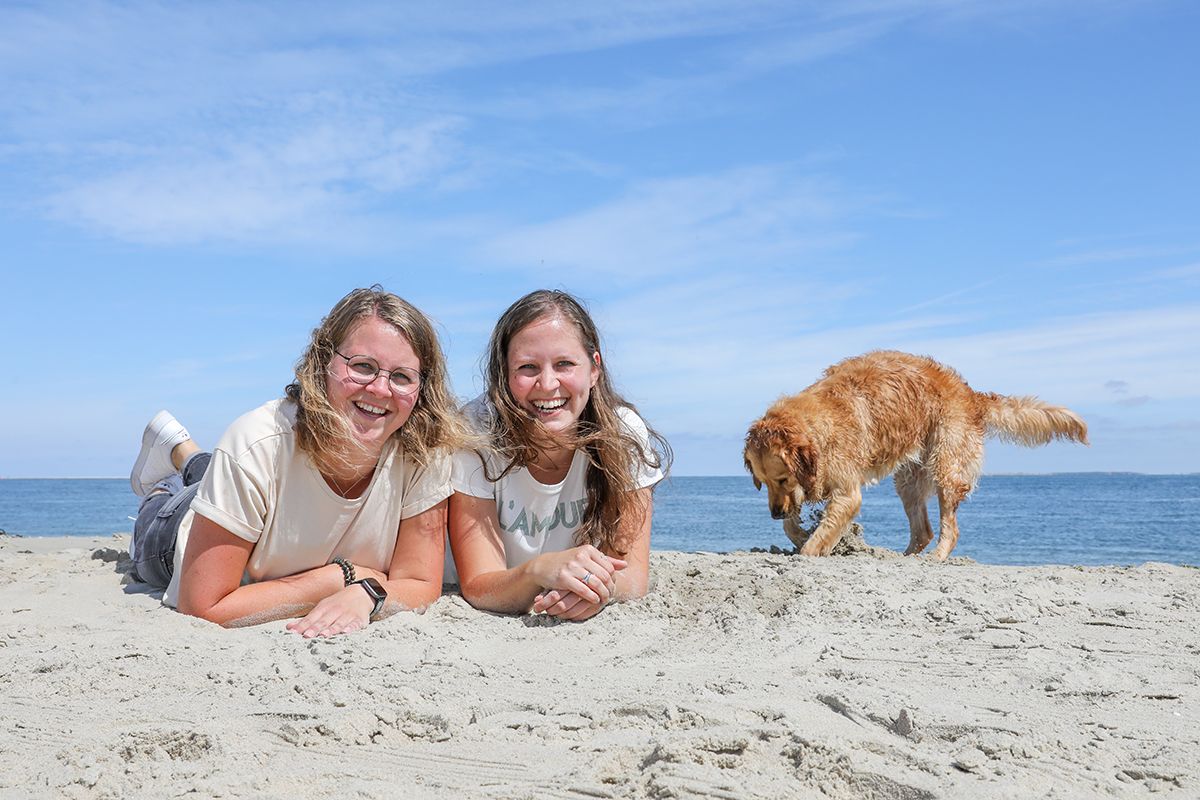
x,y
804,461
750,469
754,439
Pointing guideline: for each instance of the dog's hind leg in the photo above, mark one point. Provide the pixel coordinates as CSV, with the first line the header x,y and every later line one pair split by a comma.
x,y
840,511
958,460
948,501
914,485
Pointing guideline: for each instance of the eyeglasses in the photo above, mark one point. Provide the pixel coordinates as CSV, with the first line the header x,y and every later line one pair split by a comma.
x,y
364,370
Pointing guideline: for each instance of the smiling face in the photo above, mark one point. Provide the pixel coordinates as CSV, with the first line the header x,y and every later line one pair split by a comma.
x,y
550,374
374,411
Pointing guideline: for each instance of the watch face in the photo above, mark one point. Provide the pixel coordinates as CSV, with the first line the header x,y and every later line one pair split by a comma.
x,y
373,588
375,591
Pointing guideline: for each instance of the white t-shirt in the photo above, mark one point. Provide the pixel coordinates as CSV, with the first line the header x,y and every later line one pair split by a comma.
x,y
263,488
535,517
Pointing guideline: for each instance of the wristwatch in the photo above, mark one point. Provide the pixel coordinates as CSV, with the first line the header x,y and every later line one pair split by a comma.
x,y
376,591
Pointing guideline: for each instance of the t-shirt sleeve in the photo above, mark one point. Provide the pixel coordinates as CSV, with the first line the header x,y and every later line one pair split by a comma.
x,y
468,477
232,498
643,474
427,486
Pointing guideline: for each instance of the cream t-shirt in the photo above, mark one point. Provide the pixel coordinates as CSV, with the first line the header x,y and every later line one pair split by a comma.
x,y
535,517
262,488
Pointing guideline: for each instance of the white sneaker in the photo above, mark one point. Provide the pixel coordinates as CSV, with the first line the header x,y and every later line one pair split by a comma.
x,y
154,461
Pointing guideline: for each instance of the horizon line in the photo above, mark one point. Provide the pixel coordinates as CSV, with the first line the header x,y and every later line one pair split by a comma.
x,y
687,475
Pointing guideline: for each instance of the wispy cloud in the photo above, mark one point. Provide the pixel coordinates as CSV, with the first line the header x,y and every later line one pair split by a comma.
x,y
1134,402
183,370
943,299
711,354
185,123
697,92
753,217
713,367
1185,272
1116,255
109,62
264,188
1068,357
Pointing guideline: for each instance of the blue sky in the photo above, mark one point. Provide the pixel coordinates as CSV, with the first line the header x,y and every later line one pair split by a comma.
x,y
744,193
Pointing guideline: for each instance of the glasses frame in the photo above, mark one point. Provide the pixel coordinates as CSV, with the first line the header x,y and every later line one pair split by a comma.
x,y
406,391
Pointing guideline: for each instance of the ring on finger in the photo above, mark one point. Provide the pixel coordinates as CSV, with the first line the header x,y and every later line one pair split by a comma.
x,y
587,577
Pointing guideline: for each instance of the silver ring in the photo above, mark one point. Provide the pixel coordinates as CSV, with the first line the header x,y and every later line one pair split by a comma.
x,y
587,577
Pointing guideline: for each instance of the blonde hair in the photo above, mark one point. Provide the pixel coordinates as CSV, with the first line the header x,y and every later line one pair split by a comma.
x,y
324,433
613,452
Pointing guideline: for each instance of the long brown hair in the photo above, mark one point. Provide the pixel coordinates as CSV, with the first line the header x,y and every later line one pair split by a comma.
x,y
324,434
613,452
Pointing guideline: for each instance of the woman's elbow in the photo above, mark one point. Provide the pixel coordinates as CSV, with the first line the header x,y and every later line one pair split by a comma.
x,y
635,588
197,612
481,599
470,592
205,611
634,593
427,595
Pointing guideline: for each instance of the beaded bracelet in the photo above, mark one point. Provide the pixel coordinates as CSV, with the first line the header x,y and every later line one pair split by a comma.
x,y
347,570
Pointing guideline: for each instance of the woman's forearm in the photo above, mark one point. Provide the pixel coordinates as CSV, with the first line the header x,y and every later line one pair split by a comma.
x,y
409,594
296,595
509,591
282,598
634,581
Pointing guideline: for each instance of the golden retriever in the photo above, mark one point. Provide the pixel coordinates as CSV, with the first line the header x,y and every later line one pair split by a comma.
x,y
882,413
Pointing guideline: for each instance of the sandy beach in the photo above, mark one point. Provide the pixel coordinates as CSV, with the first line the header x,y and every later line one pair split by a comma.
x,y
743,675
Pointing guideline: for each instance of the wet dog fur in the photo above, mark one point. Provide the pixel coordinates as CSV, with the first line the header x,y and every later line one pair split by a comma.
x,y
888,413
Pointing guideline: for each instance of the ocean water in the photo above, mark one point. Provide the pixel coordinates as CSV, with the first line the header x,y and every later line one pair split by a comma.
x,y
1077,518
1070,518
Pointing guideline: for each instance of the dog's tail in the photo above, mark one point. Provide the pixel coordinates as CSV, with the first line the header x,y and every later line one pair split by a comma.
x,y
1029,421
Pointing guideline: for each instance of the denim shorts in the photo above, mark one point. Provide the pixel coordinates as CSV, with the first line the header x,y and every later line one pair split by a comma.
x,y
157,527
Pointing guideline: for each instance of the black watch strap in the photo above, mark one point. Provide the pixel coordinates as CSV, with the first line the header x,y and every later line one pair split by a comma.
x,y
375,591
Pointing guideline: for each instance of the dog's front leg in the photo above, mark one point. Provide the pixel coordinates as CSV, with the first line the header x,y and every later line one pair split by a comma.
x,y
791,527
840,511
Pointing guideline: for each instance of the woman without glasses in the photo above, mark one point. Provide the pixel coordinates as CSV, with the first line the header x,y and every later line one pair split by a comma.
x,y
554,515
321,505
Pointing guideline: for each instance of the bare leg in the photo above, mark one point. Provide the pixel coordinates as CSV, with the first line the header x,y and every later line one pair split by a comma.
x,y
179,456
914,486
182,452
839,513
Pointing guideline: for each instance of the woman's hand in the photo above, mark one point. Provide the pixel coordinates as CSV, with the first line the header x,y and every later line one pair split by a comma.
x,y
488,583
344,611
565,605
583,571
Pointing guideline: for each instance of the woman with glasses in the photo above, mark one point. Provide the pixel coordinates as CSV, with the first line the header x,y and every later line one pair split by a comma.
x,y
328,504
553,514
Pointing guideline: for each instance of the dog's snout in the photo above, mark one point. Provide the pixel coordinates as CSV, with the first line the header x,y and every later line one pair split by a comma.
x,y
777,513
